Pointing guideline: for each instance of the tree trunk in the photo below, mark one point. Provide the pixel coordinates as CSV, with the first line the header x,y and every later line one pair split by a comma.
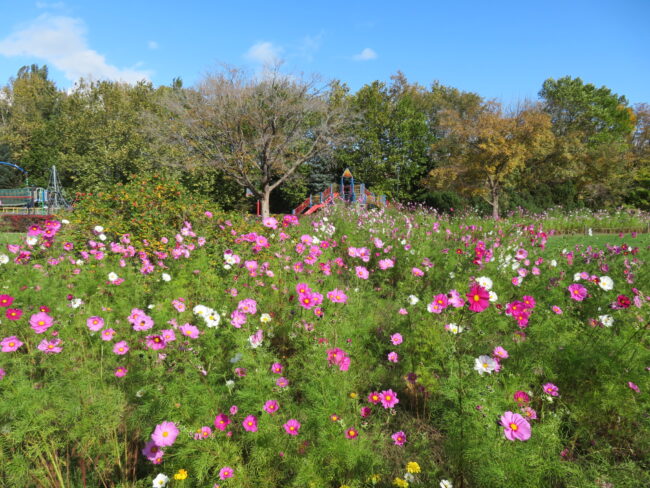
x,y
495,203
266,203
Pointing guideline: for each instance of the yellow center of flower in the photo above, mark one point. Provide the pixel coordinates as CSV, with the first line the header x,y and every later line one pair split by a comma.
x,y
485,365
11,344
50,346
513,426
388,398
476,298
40,322
165,434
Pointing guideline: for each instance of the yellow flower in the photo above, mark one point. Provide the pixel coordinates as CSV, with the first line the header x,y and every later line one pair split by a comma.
x,y
181,475
413,467
374,479
353,395
399,482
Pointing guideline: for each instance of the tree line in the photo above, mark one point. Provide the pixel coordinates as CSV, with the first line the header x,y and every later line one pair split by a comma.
x,y
283,137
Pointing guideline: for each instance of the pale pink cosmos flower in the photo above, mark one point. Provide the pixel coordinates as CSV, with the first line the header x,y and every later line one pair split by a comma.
x,y
165,434
203,433
40,322
107,334
500,352
50,347
292,427
634,387
361,272
225,473
95,323
551,389
121,348
10,344
396,339
190,331
120,371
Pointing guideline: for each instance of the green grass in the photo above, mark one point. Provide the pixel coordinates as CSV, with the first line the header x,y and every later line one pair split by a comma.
x,y
9,238
569,241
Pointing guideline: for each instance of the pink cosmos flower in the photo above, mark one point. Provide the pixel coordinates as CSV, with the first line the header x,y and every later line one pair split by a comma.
x,y
393,357
168,335
6,301
388,398
95,323
455,300
282,382
121,371
292,427
179,304
107,334
270,222
386,264
337,296
155,342
577,292
277,368
557,310
374,397
396,339
10,344
222,421
250,423
225,473
399,438
40,322
439,303
165,434
203,433
121,348
234,409
50,347
417,272
190,331
500,352
529,413
338,357
152,452
351,433
551,389
479,298
515,427
361,272
634,387
271,406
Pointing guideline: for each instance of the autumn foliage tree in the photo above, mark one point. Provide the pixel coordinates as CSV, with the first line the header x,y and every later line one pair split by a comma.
x,y
487,147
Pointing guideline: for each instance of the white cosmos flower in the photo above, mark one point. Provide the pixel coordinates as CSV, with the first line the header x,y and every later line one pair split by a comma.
x,y
200,310
493,296
65,221
160,480
265,318
99,229
576,277
484,364
553,263
31,241
4,259
212,318
76,302
112,276
413,299
227,266
102,237
454,328
606,283
606,320
446,484
166,277
485,282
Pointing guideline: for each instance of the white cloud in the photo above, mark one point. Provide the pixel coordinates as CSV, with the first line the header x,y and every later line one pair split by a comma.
x,y
61,42
264,53
152,45
366,55
309,45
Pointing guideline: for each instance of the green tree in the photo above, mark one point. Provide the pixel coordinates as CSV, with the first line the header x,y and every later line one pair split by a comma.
x,y
593,128
29,122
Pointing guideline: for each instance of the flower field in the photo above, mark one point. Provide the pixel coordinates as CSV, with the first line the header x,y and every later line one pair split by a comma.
x,y
354,348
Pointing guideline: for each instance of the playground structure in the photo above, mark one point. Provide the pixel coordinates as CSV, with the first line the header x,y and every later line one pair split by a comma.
x,y
346,191
32,200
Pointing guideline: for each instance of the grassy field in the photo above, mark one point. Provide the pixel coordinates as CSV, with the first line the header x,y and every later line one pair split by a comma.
x,y
9,238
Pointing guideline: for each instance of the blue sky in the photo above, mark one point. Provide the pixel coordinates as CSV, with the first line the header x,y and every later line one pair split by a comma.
x,y
499,49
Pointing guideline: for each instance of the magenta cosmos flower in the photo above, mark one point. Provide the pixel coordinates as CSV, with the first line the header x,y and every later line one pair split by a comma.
x,y
479,298
40,322
292,427
388,398
515,427
225,473
222,421
271,406
165,434
13,313
6,301
250,423
153,452
277,368
10,344
351,433
577,292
